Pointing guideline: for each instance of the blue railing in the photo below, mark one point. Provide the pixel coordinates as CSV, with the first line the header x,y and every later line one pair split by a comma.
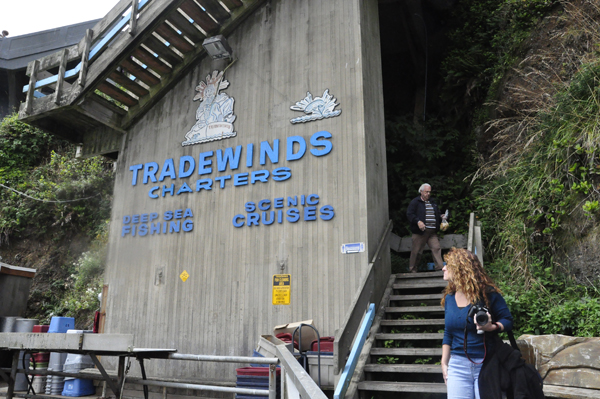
x,y
359,342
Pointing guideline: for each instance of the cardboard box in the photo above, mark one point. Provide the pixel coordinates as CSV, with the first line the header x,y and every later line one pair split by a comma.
x,y
308,334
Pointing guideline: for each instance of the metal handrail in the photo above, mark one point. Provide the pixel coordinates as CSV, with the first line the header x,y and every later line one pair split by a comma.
x,y
271,362
359,342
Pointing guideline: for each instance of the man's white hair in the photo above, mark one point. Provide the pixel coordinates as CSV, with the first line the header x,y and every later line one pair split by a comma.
x,y
423,186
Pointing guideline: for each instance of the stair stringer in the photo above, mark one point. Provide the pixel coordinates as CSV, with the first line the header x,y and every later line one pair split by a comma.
x,y
359,375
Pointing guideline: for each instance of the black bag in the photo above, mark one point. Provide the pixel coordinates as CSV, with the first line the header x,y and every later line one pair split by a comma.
x,y
506,371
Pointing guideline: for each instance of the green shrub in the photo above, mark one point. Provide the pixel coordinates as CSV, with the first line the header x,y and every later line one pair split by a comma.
x,y
55,190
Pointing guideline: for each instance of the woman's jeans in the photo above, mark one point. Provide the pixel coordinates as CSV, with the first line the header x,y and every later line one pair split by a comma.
x,y
463,378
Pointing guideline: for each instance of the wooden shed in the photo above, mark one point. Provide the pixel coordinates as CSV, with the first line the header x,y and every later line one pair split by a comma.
x,y
270,161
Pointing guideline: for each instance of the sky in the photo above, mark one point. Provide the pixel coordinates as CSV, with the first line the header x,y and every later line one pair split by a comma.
x,y
20,17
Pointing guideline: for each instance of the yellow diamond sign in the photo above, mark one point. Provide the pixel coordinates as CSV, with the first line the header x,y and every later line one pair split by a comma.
x,y
184,276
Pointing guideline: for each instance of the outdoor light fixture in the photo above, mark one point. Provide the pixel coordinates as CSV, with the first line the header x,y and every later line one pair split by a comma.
x,y
217,47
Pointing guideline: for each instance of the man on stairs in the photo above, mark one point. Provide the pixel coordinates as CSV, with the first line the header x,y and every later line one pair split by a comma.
x,y
424,217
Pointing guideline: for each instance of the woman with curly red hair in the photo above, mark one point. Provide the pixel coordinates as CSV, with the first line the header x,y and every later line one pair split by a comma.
x,y
465,346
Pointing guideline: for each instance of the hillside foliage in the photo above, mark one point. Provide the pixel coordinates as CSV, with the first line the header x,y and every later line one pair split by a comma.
x,y
537,190
49,200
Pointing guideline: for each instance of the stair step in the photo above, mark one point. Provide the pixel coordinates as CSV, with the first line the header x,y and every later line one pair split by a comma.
x,y
402,386
406,351
415,297
409,336
403,368
413,322
420,275
414,309
408,284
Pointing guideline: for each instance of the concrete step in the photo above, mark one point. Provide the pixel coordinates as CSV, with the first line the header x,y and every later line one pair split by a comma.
x,y
413,322
409,336
414,309
404,368
429,387
406,351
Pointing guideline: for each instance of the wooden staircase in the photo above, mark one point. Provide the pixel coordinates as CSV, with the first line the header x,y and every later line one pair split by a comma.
x,y
404,358
94,91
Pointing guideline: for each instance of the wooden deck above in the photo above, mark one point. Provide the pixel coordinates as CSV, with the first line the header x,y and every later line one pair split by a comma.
x,y
92,92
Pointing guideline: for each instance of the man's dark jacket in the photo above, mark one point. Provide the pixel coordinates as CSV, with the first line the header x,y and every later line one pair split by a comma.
x,y
505,371
416,212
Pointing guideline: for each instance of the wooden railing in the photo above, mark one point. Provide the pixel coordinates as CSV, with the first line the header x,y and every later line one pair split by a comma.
x,y
370,291
474,240
95,41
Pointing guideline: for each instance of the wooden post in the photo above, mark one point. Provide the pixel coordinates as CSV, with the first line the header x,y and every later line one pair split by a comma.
x,y
61,75
31,89
478,241
85,57
134,14
471,230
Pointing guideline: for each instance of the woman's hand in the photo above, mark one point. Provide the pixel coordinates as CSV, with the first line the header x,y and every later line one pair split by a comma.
x,y
489,327
445,361
445,373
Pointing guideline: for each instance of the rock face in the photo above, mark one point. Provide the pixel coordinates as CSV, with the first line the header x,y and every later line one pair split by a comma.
x,y
563,360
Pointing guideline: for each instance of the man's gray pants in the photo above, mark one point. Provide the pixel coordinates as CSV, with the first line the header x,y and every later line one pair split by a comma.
x,y
430,238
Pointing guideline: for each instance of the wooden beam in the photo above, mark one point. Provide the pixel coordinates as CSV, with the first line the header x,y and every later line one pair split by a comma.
x,y
103,140
199,16
113,110
215,9
103,111
150,60
17,271
129,84
85,52
471,232
53,60
174,38
404,244
35,66
232,4
116,93
136,70
162,50
46,104
133,17
61,77
109,20
186,27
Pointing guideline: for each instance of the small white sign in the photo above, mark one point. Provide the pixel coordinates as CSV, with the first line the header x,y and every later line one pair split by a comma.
x,y
353,248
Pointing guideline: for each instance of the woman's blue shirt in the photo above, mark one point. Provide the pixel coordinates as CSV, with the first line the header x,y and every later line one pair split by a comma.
x,y
456,318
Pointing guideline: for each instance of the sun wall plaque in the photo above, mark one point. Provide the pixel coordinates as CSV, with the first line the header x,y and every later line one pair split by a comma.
x,y
316,108
214,117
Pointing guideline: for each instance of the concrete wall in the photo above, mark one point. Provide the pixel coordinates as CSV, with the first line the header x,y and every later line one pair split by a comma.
x,y
283,50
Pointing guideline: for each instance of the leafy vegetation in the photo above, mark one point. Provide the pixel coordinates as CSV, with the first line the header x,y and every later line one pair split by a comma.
x,y
537,192
48,195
